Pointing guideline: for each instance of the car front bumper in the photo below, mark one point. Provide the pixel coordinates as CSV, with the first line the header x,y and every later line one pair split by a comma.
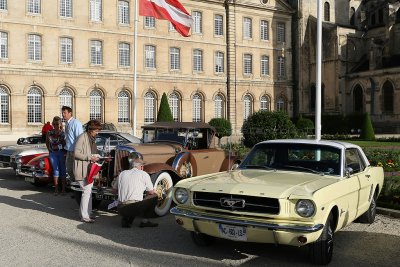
x,y
256,231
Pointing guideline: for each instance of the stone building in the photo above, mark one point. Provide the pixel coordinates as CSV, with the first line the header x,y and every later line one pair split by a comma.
x,y
360,59
237,60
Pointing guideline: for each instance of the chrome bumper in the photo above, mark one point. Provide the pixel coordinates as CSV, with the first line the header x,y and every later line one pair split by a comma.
x,y
270,226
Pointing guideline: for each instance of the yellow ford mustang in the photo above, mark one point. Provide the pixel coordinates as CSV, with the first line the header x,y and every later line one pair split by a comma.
x,y
289,192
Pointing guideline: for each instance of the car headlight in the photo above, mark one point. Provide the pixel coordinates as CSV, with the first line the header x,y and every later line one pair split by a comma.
x,y
18,159
305,208
42,164
181,195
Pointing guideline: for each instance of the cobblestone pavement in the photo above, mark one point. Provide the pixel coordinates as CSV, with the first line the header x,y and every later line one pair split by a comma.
x,y
39,229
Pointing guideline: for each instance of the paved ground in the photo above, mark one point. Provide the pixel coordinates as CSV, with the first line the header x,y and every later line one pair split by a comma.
x,y
39,229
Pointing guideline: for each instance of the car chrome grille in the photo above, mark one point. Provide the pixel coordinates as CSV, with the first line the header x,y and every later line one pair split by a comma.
x,y
236,202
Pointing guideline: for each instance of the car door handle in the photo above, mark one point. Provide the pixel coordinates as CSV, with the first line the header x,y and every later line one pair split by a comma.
x,y
368,176
206,157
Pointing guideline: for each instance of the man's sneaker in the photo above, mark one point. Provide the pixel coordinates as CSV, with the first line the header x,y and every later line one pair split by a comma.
x,y
148,224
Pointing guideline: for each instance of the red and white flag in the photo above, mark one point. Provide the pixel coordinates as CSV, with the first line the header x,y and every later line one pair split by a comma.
x,y
170,10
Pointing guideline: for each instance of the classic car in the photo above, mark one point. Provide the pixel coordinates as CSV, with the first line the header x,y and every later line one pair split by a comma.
x,y
37,170
288,192
34,139
172,151
10,154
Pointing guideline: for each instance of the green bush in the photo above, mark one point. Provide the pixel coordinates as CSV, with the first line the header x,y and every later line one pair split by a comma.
x,y
222,126
164,112
367,131
305,125
266,125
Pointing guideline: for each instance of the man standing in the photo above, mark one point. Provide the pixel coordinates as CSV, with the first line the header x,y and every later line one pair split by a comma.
x,y
73,128
130,186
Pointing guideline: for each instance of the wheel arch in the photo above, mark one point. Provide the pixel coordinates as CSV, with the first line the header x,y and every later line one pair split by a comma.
x,y
153,168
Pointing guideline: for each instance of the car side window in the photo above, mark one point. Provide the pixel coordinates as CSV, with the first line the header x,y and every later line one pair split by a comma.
x,y
354,161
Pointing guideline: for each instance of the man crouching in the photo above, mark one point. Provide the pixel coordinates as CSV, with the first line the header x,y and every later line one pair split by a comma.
x,y
130,186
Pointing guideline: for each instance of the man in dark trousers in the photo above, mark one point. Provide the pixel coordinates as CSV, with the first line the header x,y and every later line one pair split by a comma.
x,y
130,186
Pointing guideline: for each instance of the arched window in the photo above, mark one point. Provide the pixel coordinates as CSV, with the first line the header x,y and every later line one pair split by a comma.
x,y
149,108
123,107
358,99
34,105
219,106
281,104
327,10
174,104
388,97
96,105
265,103
248,106
4,105
66,99
197,107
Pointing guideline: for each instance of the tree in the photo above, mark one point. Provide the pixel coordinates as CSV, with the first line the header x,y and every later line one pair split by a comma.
x,y
222,126
367,130
266,125
304,125
164,112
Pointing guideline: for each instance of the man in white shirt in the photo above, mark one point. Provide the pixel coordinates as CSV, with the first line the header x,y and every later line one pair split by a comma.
x,y
130,186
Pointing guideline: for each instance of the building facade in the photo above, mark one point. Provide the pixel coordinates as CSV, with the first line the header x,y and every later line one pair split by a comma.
x,y
238,60
360,59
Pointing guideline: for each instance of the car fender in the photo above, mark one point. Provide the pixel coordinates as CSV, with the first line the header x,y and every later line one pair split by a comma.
x,y
182,157
153,168
228,163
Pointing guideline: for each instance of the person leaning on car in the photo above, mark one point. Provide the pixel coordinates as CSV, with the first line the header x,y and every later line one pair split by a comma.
x,y
73,128
130,186
55,141
86,152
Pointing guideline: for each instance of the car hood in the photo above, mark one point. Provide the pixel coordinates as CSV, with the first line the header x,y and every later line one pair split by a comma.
x,y
16,149
268,183
156,148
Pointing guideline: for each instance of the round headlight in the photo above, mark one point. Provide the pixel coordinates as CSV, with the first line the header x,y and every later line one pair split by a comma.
x,y
181,195
305,208
42,164
18,159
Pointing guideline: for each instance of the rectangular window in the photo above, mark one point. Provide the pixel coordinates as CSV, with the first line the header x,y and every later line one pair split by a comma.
x,y
34,47
66,8
219,62
96,10
34,6
264,34
280,32
171,27
3,45
175,61
124,55
96,52
66,51
247,28
150,56
218,25
197,22
281,67
197,60
149,22
3,4
123,12
247,64
264,65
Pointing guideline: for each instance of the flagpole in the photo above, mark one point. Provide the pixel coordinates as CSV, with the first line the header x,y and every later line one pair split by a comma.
x,y
135,65
318,73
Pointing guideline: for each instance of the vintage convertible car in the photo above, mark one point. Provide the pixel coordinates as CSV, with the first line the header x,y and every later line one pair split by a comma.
x,y
172,151
289,192
9,155
34,139
37,170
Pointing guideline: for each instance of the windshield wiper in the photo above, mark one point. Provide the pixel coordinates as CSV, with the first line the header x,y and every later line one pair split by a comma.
x,y
302,168
258,167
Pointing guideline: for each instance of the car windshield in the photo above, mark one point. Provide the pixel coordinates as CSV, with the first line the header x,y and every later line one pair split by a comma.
x,y
174,135
311,158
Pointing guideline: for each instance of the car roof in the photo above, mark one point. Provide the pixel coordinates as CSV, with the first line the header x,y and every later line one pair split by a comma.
x,y
177,125
334,143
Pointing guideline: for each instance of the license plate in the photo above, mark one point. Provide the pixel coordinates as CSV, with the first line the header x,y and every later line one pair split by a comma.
x,y
233,232
29,179
104,197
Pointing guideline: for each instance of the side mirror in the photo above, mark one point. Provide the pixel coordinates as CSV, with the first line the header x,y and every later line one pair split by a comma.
x,y
348,171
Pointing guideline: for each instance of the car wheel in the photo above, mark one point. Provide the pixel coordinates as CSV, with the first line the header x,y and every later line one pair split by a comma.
x,y
321,251
202,239
95,202
369,215
163,184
